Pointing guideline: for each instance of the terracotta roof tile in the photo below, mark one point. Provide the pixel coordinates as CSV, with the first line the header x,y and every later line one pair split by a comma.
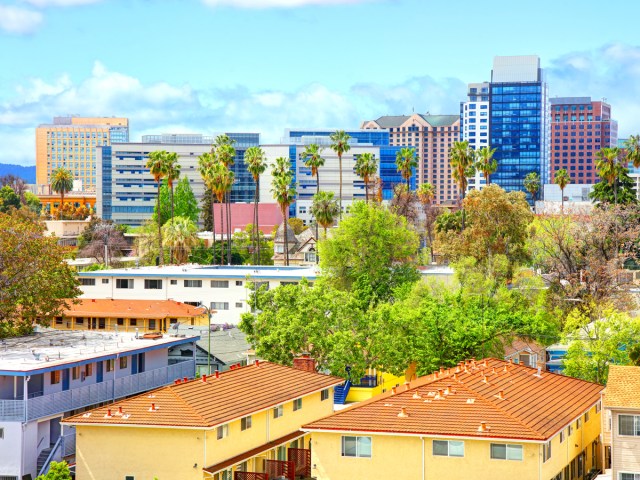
x,y
623,387
107,307
532,407
196,403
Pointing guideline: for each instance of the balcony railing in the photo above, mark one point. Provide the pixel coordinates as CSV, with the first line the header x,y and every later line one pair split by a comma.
x,y
108,390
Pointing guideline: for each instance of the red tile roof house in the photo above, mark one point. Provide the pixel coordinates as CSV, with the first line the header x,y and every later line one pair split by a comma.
x,y
483,420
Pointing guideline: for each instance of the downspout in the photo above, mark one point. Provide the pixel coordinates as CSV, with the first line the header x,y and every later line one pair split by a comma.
x,y
204,462
540,458
423,472
267,415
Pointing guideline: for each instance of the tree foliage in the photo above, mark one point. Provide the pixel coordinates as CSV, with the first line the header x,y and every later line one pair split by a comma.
x,y
8,199
244,244
98,234
57,471
184,201
34,279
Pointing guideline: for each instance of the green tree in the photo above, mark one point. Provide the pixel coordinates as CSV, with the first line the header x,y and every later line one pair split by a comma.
x,y
366,167
173,174
256,162
371,246
226,154
562,179
184,202
181,235
34,279
620,192
61,182
8,199
594,345
632,150
532,185
406,161
325,209
340,145
609,167
57,471
461,158
284,193
426,194
206,163
102,240
312,158
222,183
157,165
33,202
244,247
485,163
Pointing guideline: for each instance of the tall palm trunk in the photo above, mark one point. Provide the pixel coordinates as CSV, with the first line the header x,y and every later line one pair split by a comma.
x,y
213,227
222,232
562,201
286,236
256,234
161,259
366,189
340,167
229,228
317,191
171,248
61,203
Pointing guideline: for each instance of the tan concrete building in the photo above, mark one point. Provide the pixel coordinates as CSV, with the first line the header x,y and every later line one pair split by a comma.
x,y
71,142
432,136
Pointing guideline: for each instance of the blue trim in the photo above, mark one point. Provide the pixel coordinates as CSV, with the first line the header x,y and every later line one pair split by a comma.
x,y
185,275
78,363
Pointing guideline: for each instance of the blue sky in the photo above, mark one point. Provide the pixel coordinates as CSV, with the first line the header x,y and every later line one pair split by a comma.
x,y
264,65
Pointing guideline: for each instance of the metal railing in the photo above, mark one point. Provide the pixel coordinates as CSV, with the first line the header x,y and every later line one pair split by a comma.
x,y
64,447
108,390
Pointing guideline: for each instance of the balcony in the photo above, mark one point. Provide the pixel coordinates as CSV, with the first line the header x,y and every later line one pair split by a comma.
x,y
106,391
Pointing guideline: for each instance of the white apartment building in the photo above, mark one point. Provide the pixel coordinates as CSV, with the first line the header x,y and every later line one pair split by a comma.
x,y
474,124
51,375
223,289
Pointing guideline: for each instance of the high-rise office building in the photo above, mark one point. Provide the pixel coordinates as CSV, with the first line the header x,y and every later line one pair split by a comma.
x,y
71,142
518,123
432,136
579,128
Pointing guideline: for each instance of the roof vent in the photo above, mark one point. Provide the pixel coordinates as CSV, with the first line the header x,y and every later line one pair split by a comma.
x,y
177,381
119,412
407,385
440,395
217,374
416,395
153,408
500,395
506,368
485,379
471,400
493,370
539,374
125,416
393,390
204,378
108,415
151,395
86,415
484,427
403,412
257,363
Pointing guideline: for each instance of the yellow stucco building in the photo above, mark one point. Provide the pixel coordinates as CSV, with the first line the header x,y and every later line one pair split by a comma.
x,y
482,420
108,314
240,424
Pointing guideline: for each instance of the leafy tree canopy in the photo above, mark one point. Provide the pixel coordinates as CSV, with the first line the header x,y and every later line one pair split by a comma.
x,y
8,199
184,201
57,471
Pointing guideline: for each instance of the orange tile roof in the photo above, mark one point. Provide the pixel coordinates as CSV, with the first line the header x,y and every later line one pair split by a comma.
x,y
623,387
533,408
196,403
108,307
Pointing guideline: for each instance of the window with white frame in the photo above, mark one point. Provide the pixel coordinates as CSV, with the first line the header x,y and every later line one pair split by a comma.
x,y
297,404
245,423
223,431
629,425
324,394
448,448
278,411
356,446
219,283
124,282
503,451
628,476
546,451
220,305
193,283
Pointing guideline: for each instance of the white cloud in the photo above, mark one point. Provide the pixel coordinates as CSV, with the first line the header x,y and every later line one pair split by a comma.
x,y
278,3
19,20
60,3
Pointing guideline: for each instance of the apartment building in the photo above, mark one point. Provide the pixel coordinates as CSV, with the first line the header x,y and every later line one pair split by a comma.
x,y
485,420
474,124
222,289
580,127
51,375
240,424
71,142
432,137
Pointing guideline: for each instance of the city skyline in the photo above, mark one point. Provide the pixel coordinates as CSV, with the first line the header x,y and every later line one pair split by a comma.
x,y
300,64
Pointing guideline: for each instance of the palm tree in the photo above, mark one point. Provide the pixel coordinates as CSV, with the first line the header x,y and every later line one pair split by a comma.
x,y
61,182
157,165
406,161
222,182
226,155
632,147
325,209
312,157
340,145
284,193
206,161
256,162
485,163
366,167
532,185
181,234
562,179
173,174
461,158
609,168
426,194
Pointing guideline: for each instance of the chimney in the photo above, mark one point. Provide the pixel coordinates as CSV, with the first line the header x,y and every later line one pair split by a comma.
x,y
204,378
217,374
93,300
403,412
305,362
448,390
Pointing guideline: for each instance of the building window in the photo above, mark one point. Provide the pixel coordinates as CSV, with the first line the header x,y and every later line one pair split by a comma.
x,y
562,436
223,431
598,407
133,322
278,411
105,281
578,423
546,451
238,304
238,283
503,451
88,369
245,423
629,425
88,282
123,362
152,324
356,447
324,395
193,283
120,322
629,476
129,477
124,282
219,283
586,417
151,284
173,282
220,305
110,365
448,448
310,257
75,373
2,434
297,404
55,377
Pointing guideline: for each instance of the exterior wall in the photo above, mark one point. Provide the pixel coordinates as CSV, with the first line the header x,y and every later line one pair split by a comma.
x,y
624,449
11,449
129,323
474,124
66,228
359,394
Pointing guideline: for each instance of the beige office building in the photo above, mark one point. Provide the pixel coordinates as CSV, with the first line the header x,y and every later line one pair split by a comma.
x,y
432,136
71,142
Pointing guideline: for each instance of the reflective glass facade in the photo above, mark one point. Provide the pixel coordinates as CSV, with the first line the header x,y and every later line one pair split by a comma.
x,y
519,131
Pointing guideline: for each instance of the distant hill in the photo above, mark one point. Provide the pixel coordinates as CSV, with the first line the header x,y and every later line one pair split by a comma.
x,y
28,174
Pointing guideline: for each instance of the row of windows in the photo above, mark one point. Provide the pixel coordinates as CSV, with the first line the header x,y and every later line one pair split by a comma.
x,y
81,372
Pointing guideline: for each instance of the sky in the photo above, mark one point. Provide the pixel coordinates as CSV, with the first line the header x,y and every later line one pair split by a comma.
x,y
211,66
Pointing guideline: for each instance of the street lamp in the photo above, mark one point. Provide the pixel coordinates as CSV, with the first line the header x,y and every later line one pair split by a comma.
x,y
208,336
